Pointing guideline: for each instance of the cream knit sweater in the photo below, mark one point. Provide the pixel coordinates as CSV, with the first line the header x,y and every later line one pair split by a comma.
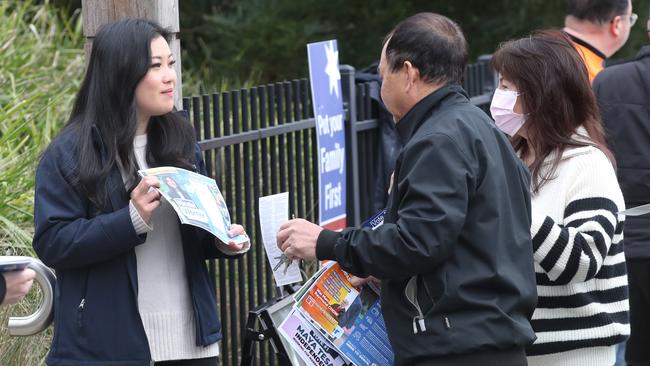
x,y
163,291
582,309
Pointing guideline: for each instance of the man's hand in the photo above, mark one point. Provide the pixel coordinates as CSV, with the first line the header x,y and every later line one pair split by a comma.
x,y
360,281
297,239
18,285
145,198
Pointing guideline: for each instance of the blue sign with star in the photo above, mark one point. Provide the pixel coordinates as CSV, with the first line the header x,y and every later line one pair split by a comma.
x,y
325,80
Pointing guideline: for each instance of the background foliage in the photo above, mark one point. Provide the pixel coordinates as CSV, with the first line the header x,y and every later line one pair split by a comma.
x,y
226,44
264,40
232,43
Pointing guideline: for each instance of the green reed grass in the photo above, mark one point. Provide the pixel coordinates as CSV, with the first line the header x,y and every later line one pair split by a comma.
x,y
41,60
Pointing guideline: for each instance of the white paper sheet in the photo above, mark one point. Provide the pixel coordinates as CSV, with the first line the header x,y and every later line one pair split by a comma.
x,y
274,211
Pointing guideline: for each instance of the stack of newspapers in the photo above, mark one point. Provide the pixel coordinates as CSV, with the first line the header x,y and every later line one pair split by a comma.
x,y
334,323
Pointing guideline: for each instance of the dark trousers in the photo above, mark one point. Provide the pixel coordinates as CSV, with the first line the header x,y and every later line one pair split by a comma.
x,y
637,349
508,357
210,361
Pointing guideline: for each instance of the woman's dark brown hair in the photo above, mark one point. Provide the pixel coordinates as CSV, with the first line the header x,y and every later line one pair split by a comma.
x,y
556,96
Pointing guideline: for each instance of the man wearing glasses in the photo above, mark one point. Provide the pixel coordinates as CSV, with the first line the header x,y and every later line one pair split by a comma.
x,y
623,92
598,29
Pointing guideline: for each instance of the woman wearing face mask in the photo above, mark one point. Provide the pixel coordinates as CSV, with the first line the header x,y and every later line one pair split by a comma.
x,y
545,104
132,284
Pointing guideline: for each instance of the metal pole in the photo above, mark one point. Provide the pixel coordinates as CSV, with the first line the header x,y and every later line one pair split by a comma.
x,y
350,107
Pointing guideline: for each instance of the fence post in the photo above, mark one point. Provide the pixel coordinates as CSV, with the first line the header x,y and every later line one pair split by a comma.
x,y
489,77
348,87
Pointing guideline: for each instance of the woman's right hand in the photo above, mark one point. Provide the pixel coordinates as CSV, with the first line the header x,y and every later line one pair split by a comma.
x,y
146,198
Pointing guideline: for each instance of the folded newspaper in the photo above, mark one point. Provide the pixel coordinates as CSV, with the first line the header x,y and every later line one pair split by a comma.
x,y
196,200
334,323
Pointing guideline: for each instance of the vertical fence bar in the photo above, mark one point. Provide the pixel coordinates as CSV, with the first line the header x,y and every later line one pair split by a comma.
x,y
273,170
310,176
219,172
352,154
237,197
315,173
282,143
371,179
227,184
274,140
301,95
186,104
208,156
273,179
263,272
249,211
289,152
265,182
256,239
196,116
298,138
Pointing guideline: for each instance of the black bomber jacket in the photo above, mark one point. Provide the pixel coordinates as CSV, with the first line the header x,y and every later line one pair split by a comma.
x,y
454,253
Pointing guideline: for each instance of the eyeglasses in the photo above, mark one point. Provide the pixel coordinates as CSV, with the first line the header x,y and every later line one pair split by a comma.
x,y
633,19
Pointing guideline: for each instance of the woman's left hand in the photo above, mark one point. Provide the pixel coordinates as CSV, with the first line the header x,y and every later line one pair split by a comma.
x,y
235,230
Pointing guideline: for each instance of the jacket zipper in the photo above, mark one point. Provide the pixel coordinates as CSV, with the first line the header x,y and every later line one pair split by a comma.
x,y
82,304
80,310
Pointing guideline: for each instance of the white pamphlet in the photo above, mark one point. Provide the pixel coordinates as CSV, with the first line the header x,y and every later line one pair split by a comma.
x,y
274,211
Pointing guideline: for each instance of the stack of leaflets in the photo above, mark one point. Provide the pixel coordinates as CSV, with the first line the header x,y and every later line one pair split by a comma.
x,y
334,323
196,200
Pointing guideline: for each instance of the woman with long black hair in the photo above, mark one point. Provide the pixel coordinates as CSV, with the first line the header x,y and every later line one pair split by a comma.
x,y
132,285
545,103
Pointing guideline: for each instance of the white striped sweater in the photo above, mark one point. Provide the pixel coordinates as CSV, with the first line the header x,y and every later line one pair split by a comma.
x,y
579,261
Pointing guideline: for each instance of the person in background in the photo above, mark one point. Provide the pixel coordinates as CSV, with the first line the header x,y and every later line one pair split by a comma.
x,y
598,28
132,284
15,285
623,92
544,102
454,254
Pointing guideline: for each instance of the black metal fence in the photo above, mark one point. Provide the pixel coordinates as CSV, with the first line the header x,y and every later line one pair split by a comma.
x,y
261,141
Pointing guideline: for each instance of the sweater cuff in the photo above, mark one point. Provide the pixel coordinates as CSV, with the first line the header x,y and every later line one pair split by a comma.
x,y
227,250
139,224
537,220
325,244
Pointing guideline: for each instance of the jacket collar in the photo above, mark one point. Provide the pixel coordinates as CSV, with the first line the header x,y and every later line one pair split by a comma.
x,y
644,52
586,45
414,118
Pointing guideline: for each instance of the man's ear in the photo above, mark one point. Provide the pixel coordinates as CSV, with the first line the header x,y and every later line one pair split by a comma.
x,y
616,26
412,74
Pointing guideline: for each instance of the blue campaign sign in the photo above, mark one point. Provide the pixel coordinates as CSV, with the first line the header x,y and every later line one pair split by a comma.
x,y
328,110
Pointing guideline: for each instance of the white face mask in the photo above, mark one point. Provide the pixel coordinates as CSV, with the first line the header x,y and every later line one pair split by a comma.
x,y
506,119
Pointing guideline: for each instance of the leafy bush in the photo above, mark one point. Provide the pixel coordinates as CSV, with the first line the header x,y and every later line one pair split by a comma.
x,y
264,40
42,58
